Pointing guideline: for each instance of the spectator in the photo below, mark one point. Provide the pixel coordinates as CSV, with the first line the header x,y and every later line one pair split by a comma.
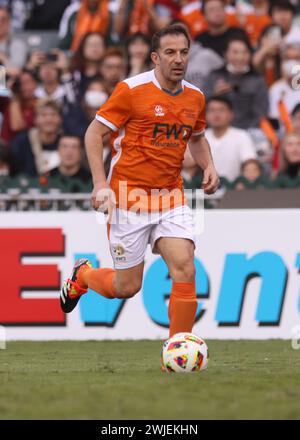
x,y
5,95
80,19
142,16
285,91
230,146
138,54
45,15
86,62
49,76
7,167
191,15
241,84
70,151
78,116
35,14
112,68
218,33
35,150
279,33
251,170
202,62
13,50
191,173
290,164
282,14
296,119
253,18
19,114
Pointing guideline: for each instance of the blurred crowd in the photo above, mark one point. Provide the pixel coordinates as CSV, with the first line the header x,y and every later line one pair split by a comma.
x,y
60,60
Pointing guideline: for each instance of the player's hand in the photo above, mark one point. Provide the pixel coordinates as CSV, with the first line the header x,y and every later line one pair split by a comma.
x,y
36,58
102,198
271,47
211,180
62,61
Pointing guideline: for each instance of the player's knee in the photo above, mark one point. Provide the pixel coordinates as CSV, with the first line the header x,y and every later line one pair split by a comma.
x,y
184,272
129,290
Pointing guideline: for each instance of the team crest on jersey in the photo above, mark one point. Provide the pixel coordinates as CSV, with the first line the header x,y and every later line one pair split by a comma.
x,y
118,250
159,111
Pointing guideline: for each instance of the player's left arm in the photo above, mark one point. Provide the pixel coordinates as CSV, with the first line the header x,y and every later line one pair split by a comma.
x,y
200,151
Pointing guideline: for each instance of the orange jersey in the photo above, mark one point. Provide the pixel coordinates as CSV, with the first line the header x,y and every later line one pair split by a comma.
x,y
191,15
151,128
251,23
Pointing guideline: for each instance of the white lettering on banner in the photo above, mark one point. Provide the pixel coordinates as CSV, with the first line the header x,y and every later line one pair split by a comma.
x,y
243,261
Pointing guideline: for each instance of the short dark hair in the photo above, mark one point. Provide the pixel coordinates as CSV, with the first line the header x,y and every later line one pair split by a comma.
x,y
253,160
138,36
43,103
283,5
71,135
172,29
222,99
113,51
205,2
240,39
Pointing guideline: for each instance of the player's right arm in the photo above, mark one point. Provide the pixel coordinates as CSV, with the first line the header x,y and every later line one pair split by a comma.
x,y
111,117
94,150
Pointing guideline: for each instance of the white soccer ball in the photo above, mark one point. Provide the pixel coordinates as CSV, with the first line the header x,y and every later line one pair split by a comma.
x,y
184,353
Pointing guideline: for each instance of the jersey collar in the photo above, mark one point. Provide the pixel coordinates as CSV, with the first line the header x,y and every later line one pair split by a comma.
x,y
156,83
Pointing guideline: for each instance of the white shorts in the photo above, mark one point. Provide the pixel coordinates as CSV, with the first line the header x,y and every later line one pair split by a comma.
x,y
130,233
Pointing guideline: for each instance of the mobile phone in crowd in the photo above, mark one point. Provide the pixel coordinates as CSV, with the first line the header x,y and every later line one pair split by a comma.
x,y
275,33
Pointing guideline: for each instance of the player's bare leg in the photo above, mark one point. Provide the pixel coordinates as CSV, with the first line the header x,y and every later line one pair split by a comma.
x,y
110,283
178,254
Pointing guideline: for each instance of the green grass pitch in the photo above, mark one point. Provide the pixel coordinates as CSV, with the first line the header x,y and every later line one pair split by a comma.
x,y
122,380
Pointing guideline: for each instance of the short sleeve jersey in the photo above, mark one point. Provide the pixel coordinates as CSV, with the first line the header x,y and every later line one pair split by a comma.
x,y
151,128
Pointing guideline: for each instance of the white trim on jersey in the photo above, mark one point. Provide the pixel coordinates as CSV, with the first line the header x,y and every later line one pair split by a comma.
x,y
118,148
107,123
197,133
155,80
149,76
191,86
138,80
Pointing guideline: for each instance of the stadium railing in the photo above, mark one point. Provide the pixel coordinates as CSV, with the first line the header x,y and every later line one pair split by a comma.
x,y
58,194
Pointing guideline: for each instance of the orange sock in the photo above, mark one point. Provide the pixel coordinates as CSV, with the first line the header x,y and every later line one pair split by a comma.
x,y
182,307
100,280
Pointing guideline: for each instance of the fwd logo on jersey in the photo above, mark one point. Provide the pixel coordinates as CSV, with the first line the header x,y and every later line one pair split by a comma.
x,y
173,131
237,270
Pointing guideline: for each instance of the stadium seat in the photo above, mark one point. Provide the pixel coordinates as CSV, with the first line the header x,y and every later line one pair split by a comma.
x,y
42,40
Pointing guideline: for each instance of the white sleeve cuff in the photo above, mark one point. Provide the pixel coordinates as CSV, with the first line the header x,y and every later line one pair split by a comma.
x,y
107,123
197,133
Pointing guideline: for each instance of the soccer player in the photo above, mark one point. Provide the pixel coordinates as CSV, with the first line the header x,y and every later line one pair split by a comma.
x,y
151,118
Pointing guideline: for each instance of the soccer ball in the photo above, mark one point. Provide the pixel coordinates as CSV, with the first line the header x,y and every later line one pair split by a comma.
x,y
184,353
